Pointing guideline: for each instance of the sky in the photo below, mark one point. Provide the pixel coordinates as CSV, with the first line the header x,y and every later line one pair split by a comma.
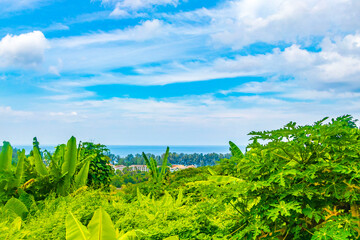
x,y
174,72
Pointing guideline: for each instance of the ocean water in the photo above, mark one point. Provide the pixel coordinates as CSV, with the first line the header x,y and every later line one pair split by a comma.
x,y
123,150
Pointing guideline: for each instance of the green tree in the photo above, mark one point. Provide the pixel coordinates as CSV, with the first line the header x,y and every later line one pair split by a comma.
x,y
100,171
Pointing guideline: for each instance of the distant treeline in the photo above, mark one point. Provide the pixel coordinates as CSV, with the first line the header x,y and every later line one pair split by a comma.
x,y
198,159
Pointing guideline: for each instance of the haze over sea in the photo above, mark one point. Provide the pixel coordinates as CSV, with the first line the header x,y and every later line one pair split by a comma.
x,y
124,150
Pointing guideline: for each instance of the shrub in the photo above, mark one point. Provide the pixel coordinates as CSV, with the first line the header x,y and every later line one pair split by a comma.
x,y
302,182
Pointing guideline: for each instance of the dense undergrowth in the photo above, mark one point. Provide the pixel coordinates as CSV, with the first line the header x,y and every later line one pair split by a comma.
x,y
297,182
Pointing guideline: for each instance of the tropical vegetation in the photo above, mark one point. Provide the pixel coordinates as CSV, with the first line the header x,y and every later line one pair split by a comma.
x,y
296,182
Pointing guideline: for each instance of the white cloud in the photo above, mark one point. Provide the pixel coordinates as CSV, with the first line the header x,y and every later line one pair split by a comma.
x,y
243,22
24,50
62,114
119,12
139,4
192,119
312,94
337,62
69,95
269,86
55,69
129,8
146,30
8,6
7,111
56,27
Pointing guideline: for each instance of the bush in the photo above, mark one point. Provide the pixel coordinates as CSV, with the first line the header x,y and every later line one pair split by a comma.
x,y
302,182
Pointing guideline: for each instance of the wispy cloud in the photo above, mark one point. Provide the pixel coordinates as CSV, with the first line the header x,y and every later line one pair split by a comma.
x,y
10,6
149,29
126,8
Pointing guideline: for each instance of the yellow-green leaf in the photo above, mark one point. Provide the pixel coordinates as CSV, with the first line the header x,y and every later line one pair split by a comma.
x,y
129,236
74,229
101,226
172,238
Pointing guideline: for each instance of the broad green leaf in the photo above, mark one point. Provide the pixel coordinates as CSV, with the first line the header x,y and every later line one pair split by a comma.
x,y
164,164
69,164
128,236
39,164
17,207
20,165
146,161
82,176
101,226
172,238
235,150
5,156
74,229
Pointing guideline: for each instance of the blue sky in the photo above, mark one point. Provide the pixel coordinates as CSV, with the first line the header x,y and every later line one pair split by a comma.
x,y
174,72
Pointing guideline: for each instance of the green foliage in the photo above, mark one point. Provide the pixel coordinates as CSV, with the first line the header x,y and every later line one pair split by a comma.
x,y
74,229
156,175
20,165
10,177
5,156
101,226
100,171
297,182
124,177
235,150
40,167
301,181
64,173
69,165
82,177
17,207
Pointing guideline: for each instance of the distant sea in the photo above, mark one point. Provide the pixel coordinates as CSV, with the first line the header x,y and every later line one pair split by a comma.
x,y
123,150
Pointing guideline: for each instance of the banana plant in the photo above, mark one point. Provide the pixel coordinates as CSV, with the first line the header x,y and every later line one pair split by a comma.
x,y
64,171
10,177
235,150
63,165
69,165
156,175
100,227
